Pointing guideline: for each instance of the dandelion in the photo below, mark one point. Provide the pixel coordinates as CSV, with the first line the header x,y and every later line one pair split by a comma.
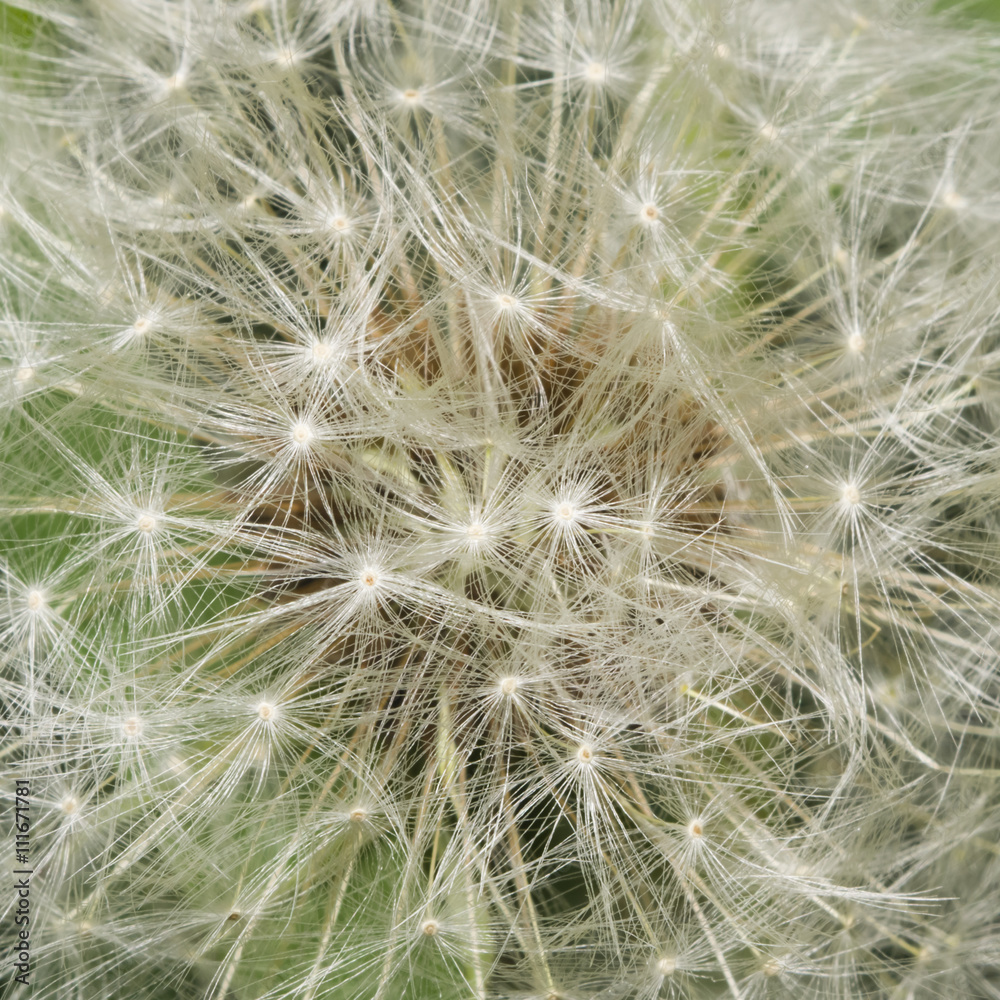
x,y
497,500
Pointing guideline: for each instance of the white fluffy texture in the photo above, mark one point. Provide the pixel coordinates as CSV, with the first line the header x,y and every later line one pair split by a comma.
x,y
499,500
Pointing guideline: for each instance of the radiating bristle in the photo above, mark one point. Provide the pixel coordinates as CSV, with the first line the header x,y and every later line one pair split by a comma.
x,y
499,500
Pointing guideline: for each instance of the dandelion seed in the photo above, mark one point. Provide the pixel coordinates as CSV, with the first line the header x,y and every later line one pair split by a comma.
x,y
509,686
596,73
37,600
855,343
585,754
954,201
695,829
850,495
772,967
25,373
132,728
321,352
173,84
666,965
649,213
302,433
265,711
768,131
146,523
565,513
430,928
358,815
341,224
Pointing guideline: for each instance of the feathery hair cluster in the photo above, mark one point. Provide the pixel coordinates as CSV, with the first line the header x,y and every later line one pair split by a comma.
x,y
499,500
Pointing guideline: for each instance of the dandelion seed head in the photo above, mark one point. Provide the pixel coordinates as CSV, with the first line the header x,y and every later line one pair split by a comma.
x,y
142,325
584,351
340,224
132,727
850,495
302,433
321,352
509,686
666,965
286,57
855,343
565,513
173,84
649,213
953,200
772,967
596,73
146,523
768,131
